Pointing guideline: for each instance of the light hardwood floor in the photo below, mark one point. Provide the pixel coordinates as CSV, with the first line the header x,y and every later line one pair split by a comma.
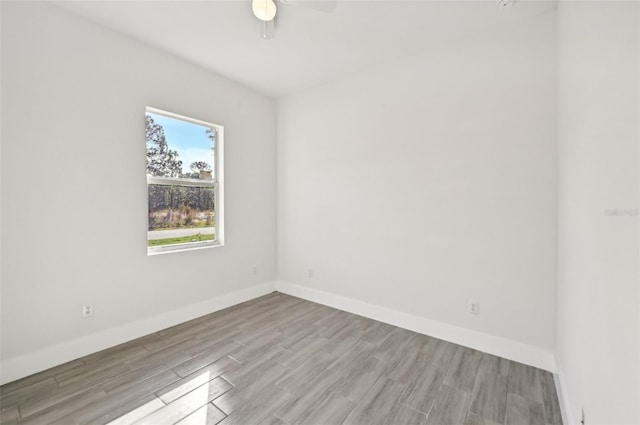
x,y
282,360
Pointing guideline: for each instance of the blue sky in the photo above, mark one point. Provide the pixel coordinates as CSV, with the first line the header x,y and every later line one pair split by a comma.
x,y
190,140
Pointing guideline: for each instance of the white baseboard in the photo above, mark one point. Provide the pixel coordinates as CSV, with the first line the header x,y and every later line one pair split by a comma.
x,y
503,347
27,364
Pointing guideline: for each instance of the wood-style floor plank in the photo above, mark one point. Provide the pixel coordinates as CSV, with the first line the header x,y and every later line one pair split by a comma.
x,y
463,369
552,415
27,393
297,379
441,352
524,381
394,347
421,392
260,405
114,355
302,405
333,410
9,415
271,420
303,350
474,419
206,415
35,378
216,355
250,391
489,397
353,358
251,372
377,404
357,383
138,412
55,411
416,358
375,332
187,404
521,411
494,364
450,407
120,401
132,378
401,414
281,360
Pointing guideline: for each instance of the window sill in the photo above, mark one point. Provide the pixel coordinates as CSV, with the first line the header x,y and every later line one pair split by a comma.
x,y
168,249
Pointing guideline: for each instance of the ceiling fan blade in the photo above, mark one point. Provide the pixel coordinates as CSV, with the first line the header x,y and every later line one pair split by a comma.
x,y
267,29
326,6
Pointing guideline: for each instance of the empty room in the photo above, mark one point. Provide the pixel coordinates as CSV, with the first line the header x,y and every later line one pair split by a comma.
x,y
331,212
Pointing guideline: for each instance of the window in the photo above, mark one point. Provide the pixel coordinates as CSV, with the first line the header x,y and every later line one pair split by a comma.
x,y
184,182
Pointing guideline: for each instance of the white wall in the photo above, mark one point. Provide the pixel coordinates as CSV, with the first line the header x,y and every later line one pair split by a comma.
x,y
598,280
427,182
74,188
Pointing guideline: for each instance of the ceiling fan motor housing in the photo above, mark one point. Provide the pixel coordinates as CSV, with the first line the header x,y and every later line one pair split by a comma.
x,y
265,10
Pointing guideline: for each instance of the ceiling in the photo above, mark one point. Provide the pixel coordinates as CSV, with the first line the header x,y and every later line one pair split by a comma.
x,y
309,47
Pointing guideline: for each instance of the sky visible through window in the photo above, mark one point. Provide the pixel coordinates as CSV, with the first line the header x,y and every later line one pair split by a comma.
x,y
188,139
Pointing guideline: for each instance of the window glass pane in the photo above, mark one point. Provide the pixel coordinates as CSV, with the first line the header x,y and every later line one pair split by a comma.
x,y
177,148
180,214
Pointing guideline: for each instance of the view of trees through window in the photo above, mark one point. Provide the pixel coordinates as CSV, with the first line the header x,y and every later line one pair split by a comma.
x,y
180,181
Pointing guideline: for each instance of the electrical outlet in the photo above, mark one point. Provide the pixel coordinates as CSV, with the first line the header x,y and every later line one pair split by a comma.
x,y
474,307
310,273
87,310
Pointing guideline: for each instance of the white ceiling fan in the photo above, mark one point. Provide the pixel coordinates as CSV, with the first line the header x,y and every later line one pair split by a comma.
x,y
266,10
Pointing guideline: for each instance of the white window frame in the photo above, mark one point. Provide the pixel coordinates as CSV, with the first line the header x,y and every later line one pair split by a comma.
x,y
217,182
